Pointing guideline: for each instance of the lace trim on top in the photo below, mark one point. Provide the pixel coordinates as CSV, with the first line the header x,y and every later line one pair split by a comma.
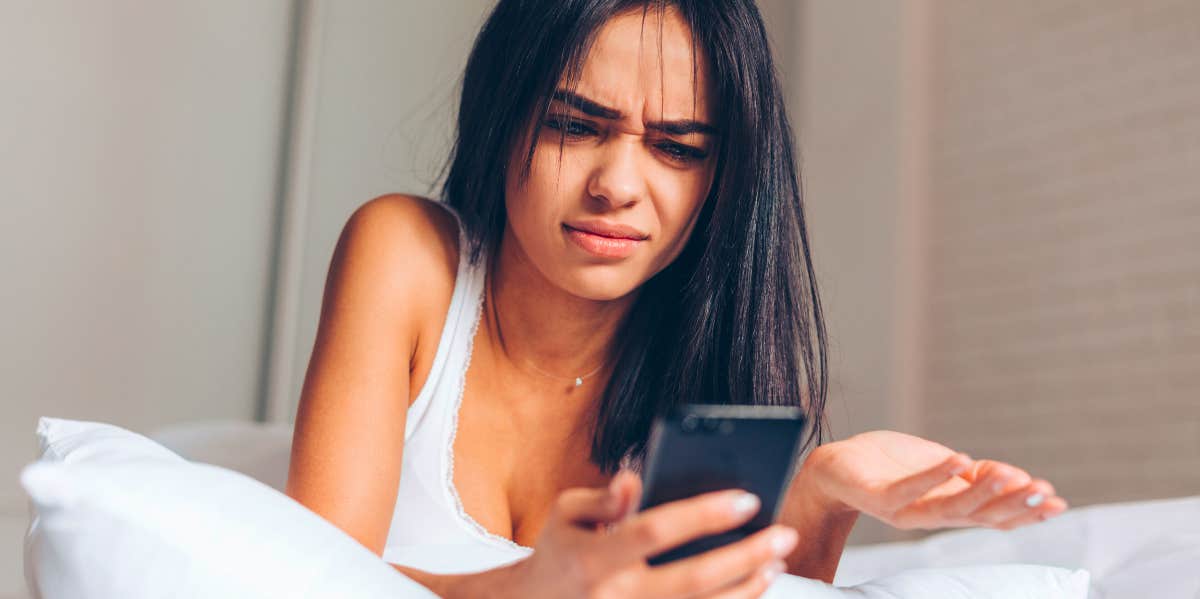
x,y
463,516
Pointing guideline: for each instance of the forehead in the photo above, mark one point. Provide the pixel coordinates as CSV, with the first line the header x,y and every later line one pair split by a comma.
x,y
642,65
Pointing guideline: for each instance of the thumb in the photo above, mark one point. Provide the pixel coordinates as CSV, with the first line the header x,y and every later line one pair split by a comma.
x,y
626,487
588,506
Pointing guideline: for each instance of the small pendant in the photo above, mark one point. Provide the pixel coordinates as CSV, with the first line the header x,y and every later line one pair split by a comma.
x,y
578,381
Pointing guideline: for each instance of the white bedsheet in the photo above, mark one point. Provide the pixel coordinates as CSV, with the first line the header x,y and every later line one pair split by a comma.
x,y
1133,550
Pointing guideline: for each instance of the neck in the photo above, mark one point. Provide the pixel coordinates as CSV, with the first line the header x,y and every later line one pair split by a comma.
x,y
533,321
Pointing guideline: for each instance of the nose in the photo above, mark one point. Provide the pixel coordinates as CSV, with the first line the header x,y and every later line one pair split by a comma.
x,y
617,179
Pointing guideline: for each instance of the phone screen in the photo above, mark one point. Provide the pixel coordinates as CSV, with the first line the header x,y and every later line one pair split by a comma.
x,y
706,447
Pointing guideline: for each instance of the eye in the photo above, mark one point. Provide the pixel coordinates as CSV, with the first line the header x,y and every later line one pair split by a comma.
x,y
569,127
680,152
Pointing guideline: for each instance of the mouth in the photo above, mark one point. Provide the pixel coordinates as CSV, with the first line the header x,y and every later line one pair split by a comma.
x,y
612,245
608,229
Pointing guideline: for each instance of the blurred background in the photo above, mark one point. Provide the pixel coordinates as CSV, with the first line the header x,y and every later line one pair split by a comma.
x,y
1004,201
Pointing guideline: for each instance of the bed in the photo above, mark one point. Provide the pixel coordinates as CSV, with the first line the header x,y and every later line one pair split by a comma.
x,y
1126,550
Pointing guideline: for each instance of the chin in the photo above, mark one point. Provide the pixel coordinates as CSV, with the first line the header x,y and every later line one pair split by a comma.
x,y
602,283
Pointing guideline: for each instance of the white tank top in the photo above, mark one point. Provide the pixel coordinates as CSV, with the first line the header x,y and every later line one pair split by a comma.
x,y
430,530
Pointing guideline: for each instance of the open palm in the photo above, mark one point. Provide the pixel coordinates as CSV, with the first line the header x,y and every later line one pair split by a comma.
x,y
909,482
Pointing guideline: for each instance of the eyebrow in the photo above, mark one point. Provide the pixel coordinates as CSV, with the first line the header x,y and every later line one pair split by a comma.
x,y
592,108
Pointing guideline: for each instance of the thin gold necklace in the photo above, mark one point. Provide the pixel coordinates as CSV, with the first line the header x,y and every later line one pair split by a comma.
x,y
578,379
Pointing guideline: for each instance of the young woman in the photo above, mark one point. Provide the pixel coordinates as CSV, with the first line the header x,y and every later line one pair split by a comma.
x,y
621,230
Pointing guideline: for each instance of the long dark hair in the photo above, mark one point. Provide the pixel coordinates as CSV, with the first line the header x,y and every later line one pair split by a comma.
x,y
736,318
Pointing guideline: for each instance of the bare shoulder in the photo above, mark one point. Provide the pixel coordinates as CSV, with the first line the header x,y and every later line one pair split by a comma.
x,y
408,249
417,236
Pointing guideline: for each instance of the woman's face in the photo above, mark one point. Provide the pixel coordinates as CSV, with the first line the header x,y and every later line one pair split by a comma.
x,y
637,162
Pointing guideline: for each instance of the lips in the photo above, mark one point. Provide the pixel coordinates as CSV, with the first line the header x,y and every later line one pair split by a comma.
x,y
614,242
607,229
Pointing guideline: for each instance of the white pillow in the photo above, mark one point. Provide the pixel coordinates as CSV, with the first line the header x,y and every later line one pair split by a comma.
x,y
75,441
117,516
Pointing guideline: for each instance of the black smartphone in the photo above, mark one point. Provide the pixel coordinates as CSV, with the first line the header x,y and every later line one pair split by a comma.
x,y
699,448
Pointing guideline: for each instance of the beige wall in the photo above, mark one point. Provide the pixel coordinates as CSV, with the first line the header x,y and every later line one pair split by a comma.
x,y
1005,215
1064,297
138,164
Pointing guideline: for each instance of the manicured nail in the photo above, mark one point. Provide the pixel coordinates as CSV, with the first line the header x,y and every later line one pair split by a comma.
x,y
999,484
783,541
745,503
774,569
1034,500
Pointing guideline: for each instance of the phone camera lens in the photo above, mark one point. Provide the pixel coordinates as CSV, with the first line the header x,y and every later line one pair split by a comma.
x,y
710,424
689,423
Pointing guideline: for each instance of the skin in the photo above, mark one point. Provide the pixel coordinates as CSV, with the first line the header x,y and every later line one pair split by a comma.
x,y
550,313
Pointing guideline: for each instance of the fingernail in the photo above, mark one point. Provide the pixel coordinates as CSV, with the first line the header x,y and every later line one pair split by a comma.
x,y
745,503
774,569
783,541
999,484
1034,500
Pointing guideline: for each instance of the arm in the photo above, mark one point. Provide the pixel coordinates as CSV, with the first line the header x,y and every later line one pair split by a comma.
x,y
349,433
823,522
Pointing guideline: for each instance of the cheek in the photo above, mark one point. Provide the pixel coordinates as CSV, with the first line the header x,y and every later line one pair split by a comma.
x,y
678,215
538,204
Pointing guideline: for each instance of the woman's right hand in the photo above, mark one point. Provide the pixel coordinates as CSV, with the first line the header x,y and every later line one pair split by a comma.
x,y
593,546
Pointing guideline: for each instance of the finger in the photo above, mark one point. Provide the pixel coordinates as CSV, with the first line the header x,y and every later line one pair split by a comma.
x,y
907,490
1048,509
998,471
718,568
956,509
627,486
754,585
662,527
588,506
1012,504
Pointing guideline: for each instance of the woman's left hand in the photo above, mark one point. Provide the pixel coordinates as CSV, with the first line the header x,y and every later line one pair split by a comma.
x,y
909,482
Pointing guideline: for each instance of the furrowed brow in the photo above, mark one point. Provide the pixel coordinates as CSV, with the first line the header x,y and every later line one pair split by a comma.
x,y
585,105
592,108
